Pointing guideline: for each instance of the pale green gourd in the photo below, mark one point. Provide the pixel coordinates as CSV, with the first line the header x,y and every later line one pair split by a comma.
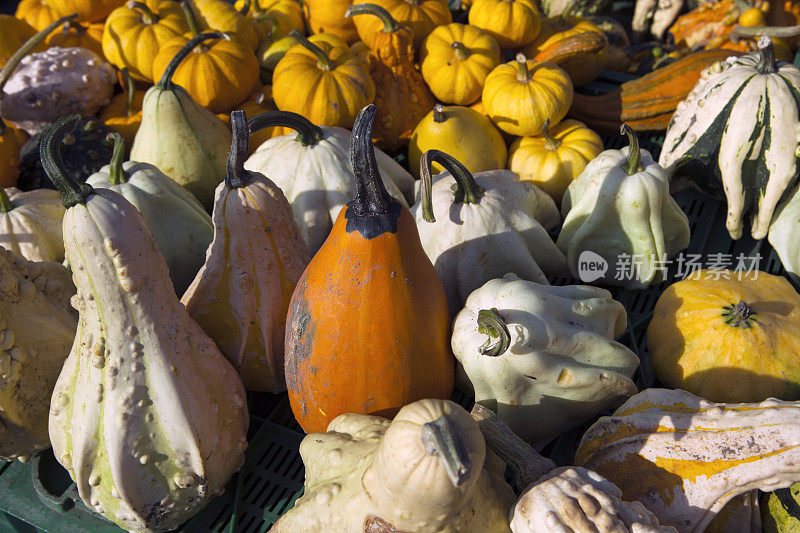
x,y
184,140
176,220
147,416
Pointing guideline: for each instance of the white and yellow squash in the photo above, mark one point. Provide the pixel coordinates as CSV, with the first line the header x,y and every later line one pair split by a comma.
x,y
30,223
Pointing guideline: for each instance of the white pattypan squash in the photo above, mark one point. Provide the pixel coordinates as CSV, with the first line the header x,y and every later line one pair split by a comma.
x,y
30,224
313,170
555,363
620,209
489,224
176,220
427,471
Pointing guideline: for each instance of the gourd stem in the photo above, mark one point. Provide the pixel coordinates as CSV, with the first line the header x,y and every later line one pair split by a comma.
x,y
527,464
5,201
130,88
236,176
739,32
438,113
740,315
390,25
245,7
550,143
190,18
324,61
743,310
72,191
492,324
116,174
148,17
461,51
466,189
165,83
766,56
634,163
523,74
273,22
307,133
371,194
440,437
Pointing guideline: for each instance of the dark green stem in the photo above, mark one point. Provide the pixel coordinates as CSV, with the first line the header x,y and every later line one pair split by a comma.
x,y
148,17
116,174
190,18
492,324
440,437
324,61
740,315
767,64
634,163
307,133
466,189
72,191
523,74
371,194
390,25
165,83
130,90
461,51
236,176
5,201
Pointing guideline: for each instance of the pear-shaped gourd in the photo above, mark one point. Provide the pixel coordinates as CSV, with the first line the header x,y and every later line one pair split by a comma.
x,y
176,220
241,295
186,141
147,416
37,327
30,223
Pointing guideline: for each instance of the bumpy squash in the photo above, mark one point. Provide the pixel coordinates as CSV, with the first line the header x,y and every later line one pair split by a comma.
x,y
339,359
313,169
124,113
550,361
513,23
176,220
37,13
555,158
739,124
38,328
619,210
30,224
464,133
427,470
745,349
180,137
241,294
489,225
147,416
87,10
421,16
684,457
327,16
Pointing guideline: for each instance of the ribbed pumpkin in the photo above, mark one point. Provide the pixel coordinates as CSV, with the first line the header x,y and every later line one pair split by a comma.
x,y
134,34
327,16
521,94
339,357
87,36
124,113
401,95
728,336
513,23
326,84
37,13
219,15
455,60
87,10
556,157
421,16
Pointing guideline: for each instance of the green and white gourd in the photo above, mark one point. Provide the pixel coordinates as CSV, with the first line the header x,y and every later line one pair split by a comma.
x,y
314,171
783,232
619,211
741,123
489,224
176,220
147,416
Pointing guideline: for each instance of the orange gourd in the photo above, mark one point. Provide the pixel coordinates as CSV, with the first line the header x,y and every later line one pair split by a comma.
x,y
401,95
327,16
421,16
368,329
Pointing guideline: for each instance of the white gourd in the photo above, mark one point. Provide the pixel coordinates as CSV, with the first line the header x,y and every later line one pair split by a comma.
x,y
783,232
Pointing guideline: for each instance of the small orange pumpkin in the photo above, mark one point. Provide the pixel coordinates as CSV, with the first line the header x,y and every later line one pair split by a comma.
x,y
421,16
513,23
327,16
368,327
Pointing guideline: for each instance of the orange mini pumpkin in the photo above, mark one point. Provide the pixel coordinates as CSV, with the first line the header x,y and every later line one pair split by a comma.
x,y
368,327
421,16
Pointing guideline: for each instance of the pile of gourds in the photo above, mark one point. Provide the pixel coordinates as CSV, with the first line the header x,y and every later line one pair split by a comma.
x,y
194,203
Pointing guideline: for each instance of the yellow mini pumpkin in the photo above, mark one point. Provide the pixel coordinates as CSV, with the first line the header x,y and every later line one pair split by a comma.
x,y
37,13
728,336
422,16
513,23
556,157
326,84
219,15
124,113
86,36
286,15
134,34
87,10
521,94
328,16
461,132
13,34
455,60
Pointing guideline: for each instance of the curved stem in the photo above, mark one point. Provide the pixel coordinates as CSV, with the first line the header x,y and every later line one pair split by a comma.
x,y
5,201
273,27
758,31
440,437
767,63
371,194
116,174
72,191
550,142
634,163
165,83
492,324
236,176
245,7
466,189
523,74
438,113
190,18
148,17
323,59
130,92
390,25
307,133
461,51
